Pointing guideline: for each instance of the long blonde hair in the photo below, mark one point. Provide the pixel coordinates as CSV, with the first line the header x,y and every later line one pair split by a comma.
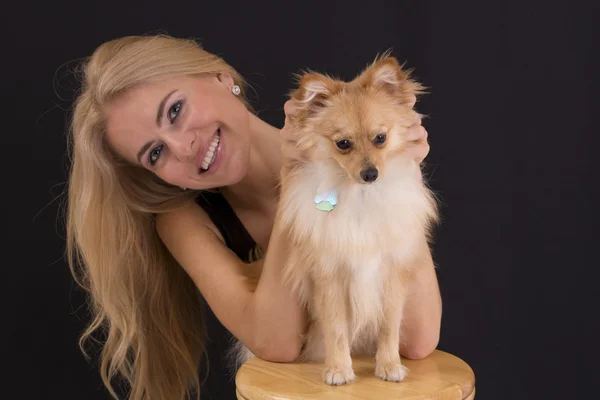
x,y
141,300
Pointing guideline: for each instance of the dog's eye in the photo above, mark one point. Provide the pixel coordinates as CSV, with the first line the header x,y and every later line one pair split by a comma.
x,y
343,144
380,139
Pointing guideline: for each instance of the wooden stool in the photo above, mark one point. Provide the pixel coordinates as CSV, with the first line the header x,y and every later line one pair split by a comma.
x,y
440,376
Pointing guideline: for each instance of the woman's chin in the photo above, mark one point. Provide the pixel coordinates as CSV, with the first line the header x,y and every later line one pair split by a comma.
x,y
230,171
238,165
236,173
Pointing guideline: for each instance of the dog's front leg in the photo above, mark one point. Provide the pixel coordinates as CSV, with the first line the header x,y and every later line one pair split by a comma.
x,y
330,310
387,359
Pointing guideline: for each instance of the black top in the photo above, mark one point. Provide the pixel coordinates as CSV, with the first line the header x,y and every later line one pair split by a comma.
x,y
220,382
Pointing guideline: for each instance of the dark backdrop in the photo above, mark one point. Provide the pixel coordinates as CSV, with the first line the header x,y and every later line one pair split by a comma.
x,y
512,155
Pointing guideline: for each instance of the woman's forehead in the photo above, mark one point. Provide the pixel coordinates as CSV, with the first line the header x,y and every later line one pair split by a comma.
x,y
131,119
135,106
142,96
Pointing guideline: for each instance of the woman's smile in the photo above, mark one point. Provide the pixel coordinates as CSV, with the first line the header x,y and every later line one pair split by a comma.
x,y
205,161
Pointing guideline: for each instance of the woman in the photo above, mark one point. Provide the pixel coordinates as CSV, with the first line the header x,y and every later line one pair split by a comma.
x,y
172,196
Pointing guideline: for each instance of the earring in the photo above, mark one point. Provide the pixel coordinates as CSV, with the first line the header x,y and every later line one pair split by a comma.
x,y
235,89
182,188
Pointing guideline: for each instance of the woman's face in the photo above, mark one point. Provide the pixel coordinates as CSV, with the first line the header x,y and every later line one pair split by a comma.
x,y
190,131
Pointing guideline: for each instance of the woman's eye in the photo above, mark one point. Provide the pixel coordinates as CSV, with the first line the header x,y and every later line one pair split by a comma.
x,y
174,111
343,144
154,154
380,139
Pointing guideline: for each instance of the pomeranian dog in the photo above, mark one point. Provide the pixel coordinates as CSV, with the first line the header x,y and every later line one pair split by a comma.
x,y
358,215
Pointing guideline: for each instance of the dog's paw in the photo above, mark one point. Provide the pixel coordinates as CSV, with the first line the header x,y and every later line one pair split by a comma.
x,y
393,372
339,376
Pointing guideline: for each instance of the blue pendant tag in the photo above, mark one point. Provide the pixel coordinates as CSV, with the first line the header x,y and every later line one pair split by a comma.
x,y
326,201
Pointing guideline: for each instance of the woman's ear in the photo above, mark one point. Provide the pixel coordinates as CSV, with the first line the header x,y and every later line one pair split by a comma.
x,y
226,79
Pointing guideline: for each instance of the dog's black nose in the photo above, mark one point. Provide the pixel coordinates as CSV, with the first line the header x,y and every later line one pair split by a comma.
x,y
369,174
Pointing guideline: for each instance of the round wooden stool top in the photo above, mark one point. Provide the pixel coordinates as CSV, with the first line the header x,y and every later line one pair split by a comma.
x,y
440,376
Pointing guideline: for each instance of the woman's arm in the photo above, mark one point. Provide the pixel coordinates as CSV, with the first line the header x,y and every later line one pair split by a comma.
x,y
423,312
273,306
268,320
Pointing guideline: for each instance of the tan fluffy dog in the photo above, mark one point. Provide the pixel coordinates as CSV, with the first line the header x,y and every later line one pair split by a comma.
x,y
357,212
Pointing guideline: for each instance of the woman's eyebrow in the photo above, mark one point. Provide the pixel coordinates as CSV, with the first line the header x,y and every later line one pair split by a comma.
x,y
161,108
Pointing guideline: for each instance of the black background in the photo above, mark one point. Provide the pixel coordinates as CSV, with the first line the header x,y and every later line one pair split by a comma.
x,y
512,156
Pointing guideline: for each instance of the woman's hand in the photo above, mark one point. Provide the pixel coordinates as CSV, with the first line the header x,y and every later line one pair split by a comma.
x,y
418,146
289,150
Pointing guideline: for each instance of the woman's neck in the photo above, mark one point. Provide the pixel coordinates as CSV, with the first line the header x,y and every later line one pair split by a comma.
x,y
259,186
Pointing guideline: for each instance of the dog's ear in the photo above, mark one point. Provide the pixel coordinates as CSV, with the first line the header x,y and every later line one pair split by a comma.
x,y
388,75
313,92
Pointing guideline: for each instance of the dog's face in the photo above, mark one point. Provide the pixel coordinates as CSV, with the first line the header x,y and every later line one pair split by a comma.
x,y
360,124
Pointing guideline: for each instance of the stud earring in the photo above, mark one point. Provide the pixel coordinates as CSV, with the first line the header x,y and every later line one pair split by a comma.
x,y
235,89
182,188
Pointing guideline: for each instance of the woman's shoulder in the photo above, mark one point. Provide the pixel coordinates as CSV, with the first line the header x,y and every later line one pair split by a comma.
x,y
207,216
189,216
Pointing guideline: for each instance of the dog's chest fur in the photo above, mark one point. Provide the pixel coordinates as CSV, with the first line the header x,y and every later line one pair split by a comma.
x,y
380,220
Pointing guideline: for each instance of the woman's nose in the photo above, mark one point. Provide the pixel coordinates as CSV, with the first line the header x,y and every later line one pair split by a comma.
x,y
181,144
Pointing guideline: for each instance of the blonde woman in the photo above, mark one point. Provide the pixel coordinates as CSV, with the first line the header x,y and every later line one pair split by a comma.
x,y
172,198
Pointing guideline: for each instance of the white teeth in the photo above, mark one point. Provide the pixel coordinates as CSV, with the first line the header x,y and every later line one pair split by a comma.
x,y
211,154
